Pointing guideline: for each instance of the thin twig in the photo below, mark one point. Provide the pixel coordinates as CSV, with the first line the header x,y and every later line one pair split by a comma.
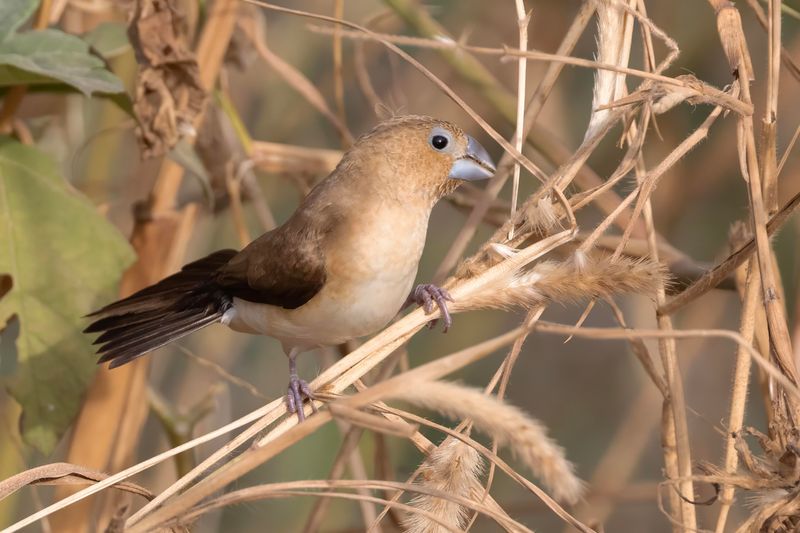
x,y
523,20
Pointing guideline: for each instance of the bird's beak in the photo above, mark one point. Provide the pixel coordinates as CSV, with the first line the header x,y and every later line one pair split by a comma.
x,y
474,165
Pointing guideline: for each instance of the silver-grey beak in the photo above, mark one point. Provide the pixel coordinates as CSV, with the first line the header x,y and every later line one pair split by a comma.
x,y
476,164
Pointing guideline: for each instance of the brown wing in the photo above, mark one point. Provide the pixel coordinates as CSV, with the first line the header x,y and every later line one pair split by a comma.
x,y
284,267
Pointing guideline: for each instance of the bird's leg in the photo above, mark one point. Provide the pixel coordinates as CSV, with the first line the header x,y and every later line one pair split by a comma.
x,y
426,295
298,389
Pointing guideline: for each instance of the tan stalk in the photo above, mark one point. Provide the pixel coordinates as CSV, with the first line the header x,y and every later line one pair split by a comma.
x,y
652,178
500,380
614,33
253,29
786,57
741,378
115,399
677,424
322,488
348,446
338,79
713,277
776,316
613,333
288,432
769,133
523,21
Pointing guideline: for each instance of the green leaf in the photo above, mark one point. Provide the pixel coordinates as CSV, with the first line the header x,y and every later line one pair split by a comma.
x,y
64,258
11,76
13,14
57,55
186,156
109,39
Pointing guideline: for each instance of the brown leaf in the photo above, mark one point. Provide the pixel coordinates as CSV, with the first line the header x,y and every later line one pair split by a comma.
x,y
64,474
169,94
729,27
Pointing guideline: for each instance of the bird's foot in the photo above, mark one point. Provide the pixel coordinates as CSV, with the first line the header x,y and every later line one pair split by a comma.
x,y
297,393
426,295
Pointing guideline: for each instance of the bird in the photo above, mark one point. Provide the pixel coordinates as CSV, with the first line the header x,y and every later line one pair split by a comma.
x,y
340,267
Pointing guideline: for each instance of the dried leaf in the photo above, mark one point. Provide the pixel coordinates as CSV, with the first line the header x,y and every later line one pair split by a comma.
x,y
64,473
169,94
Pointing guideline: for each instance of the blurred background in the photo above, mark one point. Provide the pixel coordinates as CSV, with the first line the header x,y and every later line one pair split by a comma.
x,y
593,396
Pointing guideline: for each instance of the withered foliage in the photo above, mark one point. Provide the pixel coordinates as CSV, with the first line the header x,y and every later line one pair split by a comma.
x,y
169,95
769,477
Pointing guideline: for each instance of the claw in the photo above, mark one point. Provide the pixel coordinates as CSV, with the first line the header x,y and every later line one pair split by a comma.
x,y
298,390
426,295
297,393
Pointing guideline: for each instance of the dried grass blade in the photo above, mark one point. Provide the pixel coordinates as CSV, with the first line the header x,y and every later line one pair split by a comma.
x,y
720,272
366,420
303,488
64,474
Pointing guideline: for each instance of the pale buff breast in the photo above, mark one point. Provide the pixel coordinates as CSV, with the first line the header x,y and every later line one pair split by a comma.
x,y
371,269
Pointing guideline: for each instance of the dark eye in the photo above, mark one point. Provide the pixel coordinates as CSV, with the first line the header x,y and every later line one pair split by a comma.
x,y
439,142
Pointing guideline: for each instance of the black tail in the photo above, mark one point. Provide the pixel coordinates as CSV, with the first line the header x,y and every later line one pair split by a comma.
x,y
161,313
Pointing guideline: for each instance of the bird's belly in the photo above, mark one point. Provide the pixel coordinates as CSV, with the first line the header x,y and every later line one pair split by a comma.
x,y
370,272
338,313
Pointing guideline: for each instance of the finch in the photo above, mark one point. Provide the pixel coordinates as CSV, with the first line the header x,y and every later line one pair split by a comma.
x,y
341,267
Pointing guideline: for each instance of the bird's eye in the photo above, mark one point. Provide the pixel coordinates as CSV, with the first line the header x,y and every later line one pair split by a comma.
x,y
439,142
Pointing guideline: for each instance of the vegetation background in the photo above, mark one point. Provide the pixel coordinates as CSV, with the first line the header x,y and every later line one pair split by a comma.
x,y
261,115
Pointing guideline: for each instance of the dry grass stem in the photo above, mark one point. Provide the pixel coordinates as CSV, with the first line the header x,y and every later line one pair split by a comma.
x,y
614,33
323,489
675,429
63,474
534,107
610,333
689,86
253,28
741,379
342,374
347,450
742,253
523,20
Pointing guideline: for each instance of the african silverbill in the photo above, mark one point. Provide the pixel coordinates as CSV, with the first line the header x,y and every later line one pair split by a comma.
x,y
339,268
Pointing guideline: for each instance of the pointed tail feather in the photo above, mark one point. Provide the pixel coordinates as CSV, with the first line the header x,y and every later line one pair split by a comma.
x,y
161,313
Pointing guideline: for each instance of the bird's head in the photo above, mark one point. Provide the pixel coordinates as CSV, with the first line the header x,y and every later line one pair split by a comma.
x,y
420,156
